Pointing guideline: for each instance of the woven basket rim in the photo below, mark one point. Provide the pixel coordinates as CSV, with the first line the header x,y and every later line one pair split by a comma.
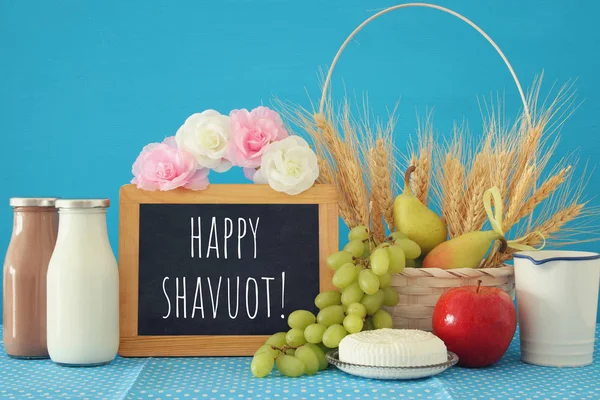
x,y
507,270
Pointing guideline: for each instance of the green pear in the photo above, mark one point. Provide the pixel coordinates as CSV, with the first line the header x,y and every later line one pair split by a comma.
x,y
464,251
416,221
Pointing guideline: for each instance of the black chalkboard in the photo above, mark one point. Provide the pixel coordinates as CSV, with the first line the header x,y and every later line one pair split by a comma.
x,y
270,250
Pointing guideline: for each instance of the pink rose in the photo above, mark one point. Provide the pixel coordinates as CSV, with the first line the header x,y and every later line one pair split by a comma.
x,y
163,167
251,133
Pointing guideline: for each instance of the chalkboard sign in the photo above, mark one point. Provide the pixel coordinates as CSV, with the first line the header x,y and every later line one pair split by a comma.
x,y
215,272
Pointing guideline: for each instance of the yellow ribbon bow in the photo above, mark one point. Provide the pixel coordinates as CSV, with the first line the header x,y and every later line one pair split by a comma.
x,y
495,217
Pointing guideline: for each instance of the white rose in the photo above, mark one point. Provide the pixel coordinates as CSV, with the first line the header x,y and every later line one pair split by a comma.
x,y
288,166
206,135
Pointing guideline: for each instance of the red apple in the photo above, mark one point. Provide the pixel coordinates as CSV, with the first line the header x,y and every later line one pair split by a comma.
x,y
477,323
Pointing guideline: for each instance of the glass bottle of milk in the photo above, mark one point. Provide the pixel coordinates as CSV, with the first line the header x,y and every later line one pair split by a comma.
x,y
82,287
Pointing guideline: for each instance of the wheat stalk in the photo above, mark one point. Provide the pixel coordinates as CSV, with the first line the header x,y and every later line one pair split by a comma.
x,y
541,194
381,180
348,176
547,229
528,150
421,155
518,194
477,184
377,186
452,186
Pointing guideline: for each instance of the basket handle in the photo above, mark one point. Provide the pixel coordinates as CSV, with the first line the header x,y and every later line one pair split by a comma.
x,y
426,5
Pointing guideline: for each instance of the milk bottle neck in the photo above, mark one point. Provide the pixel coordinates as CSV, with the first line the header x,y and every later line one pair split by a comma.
x,y
82,223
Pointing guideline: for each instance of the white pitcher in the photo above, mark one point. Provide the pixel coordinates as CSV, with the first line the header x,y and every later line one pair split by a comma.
x,y
557,297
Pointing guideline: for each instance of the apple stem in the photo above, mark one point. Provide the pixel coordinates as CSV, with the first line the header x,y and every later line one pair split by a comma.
x,y
479,282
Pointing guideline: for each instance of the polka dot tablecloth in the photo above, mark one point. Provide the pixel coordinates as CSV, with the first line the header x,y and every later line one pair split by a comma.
x,y
230,378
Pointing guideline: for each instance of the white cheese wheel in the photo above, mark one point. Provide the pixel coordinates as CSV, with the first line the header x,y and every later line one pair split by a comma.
x,y
393,348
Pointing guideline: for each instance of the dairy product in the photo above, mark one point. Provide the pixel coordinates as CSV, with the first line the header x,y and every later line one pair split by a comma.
x,y
393,348
24,284
83,287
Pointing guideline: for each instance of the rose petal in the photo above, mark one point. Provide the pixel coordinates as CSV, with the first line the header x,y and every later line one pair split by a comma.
x,y
259,178
170,141
249,173
199,181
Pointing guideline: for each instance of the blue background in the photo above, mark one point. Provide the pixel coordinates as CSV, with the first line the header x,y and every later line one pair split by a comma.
x,y
84,85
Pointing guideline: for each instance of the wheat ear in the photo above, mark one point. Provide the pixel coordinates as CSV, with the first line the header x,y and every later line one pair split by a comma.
x,y
478,183
541,194
547,229
377,186
452,186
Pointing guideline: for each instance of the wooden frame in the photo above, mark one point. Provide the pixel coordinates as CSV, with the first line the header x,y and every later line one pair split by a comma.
x,y
132,345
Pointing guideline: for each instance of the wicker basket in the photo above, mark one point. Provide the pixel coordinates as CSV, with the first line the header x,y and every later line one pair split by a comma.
x,y
420,288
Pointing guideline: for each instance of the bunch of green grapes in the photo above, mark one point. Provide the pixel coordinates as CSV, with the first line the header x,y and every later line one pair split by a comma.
x,y
363,274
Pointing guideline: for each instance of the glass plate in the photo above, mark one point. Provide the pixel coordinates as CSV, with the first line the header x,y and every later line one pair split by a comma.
x,y
374,372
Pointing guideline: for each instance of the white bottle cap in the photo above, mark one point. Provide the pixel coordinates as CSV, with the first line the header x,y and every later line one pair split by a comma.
x,y
82,203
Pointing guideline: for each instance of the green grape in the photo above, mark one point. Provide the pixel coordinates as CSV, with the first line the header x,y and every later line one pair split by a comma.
x,y
390,297
290,352
398,235
352,294
368,325
353,323
373,302
358,269
320,355
262,364
367,250
277,339
358,232
380,261
397,258
290,366
385,280
324,348
382,319
337,259
328,298
355,247
314,333
267,348
344,276
368,281
300,319
334,335
309,358
295,337
382,245
411,249
411,264
357,309
331,315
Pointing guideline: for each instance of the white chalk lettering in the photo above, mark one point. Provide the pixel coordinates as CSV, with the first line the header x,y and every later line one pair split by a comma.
x,y
178,297
196,237
213,233
241,236
254,229
237,298
228,234
167,297
255,300
266,279
215,303
177,300
198,295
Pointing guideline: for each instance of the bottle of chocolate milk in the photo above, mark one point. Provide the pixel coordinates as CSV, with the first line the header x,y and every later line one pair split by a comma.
x,y
34,235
